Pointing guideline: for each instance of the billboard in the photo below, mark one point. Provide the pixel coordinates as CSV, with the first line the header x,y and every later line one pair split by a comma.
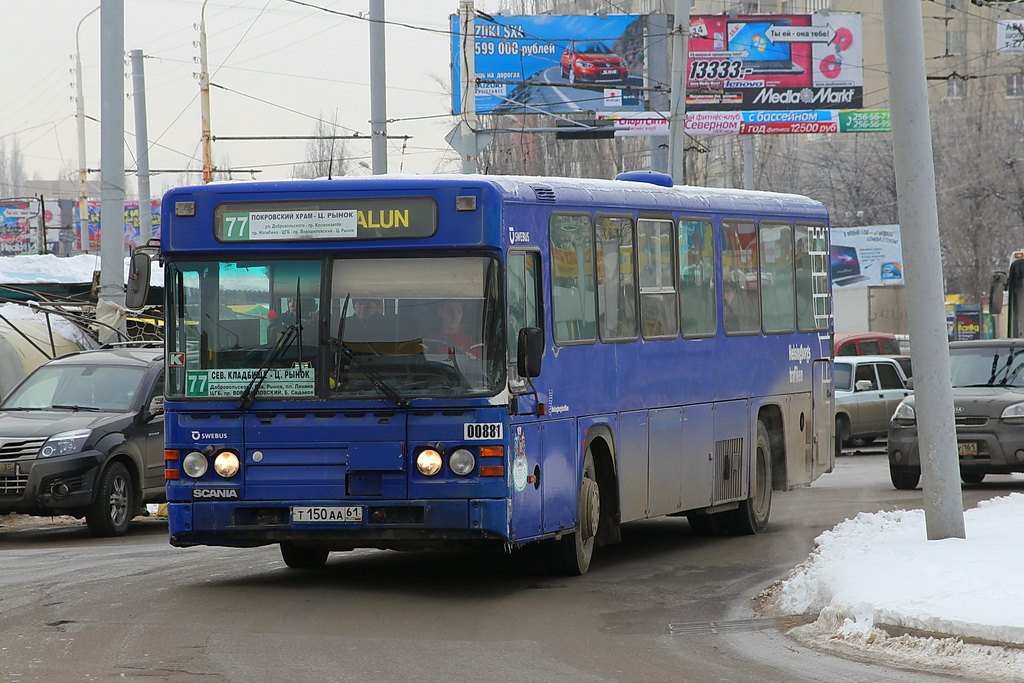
x,y
1010,35
774,61
131,222
553,64
869,255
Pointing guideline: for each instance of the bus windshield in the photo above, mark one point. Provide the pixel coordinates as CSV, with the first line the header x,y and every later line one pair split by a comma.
x,y
344,328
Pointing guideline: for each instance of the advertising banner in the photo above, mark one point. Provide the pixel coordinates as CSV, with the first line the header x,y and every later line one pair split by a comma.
x,y
755,122
553,64
18,222
131,222
784,61
869,255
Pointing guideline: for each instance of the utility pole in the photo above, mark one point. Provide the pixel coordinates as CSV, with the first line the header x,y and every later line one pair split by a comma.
x,y
41,226
677,122
83,202
657,73
919,223
141,146
110,307
204,97
378,91
467,86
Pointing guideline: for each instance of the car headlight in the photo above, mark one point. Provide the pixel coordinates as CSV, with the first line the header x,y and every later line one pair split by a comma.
x,y
461,462
904,415
65,443
1014,414
226,464
195,464
428,462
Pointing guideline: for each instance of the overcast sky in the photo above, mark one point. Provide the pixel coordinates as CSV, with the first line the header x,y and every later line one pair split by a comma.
x,y
278,64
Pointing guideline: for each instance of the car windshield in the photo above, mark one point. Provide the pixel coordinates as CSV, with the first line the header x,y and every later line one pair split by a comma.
x,y
593,49
393,328
987,366
106,388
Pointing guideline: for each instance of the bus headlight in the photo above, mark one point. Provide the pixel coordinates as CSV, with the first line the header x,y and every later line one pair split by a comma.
x,y
194,464
904,415
428,462
226,464
461,462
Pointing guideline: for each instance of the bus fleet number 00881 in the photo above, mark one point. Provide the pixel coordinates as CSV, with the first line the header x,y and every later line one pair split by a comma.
x,y
477,431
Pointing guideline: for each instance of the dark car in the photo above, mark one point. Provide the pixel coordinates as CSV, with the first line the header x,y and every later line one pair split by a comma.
x,y
83,435
593,62
988,407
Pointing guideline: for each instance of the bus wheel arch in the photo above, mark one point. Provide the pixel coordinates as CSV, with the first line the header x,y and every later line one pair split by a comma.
x,y
599,443
771,417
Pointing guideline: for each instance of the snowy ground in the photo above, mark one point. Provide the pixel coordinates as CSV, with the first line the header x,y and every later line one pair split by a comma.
x,y
882,591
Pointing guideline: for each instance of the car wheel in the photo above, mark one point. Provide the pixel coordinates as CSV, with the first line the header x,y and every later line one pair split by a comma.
x,y
905,478
572,75
972,477
303,556
571,555
842,433
115,502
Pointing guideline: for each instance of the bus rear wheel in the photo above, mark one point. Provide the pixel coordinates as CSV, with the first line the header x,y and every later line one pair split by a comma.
x,y
303,556
571,555
752,515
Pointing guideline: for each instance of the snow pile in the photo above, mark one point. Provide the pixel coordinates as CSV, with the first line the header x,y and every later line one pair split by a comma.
x,y
880,588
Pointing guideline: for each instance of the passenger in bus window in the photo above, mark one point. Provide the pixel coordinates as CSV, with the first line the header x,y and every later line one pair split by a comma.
x,y
368,323
732,304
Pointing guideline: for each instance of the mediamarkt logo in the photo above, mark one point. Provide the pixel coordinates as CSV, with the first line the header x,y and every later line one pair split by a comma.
x,y
805,96
215,493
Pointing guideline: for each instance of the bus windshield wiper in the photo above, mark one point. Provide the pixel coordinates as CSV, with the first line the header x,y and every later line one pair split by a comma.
x,y
290,334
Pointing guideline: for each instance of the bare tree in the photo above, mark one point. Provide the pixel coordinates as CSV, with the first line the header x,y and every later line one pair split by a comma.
x,y
325,156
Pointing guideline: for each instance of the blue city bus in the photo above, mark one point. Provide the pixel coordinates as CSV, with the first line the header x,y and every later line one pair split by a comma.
x,y
625,349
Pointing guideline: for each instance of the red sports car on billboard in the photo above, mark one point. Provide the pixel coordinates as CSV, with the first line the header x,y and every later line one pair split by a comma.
x,y
592,62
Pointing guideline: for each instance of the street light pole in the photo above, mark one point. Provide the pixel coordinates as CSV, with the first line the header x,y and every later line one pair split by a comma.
x,y
204,97
83,203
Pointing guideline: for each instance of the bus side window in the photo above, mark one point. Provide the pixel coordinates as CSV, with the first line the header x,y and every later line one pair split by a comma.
x,y
523,299
616,285
776,258
739,268
658,307
697,295
573,299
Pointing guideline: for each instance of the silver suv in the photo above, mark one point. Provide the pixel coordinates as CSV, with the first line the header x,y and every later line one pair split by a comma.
x,y
83,435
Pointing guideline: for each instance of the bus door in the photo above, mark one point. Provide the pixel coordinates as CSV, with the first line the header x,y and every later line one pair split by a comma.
x,y
526,441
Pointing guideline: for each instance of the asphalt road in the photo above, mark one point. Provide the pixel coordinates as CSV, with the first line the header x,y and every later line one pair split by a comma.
x,y
663,606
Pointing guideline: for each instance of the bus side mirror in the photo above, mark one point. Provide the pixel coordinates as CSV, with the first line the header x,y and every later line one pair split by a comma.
x,y
995,292
138,281
530,351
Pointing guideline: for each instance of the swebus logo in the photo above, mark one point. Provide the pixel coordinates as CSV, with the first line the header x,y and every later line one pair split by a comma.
x,y
201,436
517,236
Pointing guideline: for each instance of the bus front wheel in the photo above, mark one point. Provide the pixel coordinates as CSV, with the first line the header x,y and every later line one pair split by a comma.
x,y
303,556
571,554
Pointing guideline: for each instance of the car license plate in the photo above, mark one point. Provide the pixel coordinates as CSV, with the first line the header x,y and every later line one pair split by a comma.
x,y
323,513
967,449
7,468
608,72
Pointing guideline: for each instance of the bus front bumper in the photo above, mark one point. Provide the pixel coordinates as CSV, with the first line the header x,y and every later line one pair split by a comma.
x,y
380,524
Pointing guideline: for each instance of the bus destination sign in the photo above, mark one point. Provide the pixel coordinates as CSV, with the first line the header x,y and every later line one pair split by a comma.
x,y
357,219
